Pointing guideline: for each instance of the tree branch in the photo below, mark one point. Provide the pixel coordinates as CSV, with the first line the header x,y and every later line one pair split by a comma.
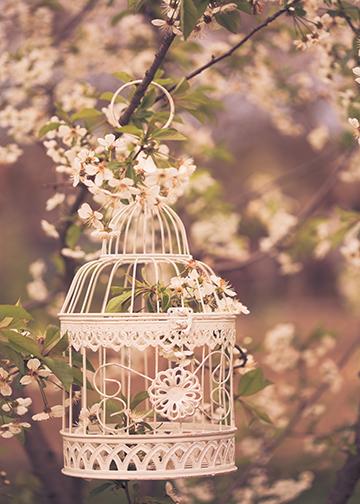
x,y
67,30
127,492
349,474
305,213
243,41
347,18
148,77
69,263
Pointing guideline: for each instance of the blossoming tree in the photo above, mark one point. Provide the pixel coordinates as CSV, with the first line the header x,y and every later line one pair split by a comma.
x,y
58,73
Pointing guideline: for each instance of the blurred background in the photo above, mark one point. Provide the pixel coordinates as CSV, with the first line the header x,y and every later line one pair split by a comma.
x,y
249,170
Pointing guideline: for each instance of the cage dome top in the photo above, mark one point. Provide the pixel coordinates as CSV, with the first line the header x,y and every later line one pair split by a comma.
x,y
140,228
144,276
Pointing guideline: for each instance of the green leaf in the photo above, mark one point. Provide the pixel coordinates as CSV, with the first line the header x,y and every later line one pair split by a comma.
x,y
107,96
118,17
7,352
165,301
60,346
299,10
181,87
48,127
78,360
61,370
51,4
14,312
138,398
252,382
165,82
131,130
78,376
256,413
191,11
149,99
116,290
169,134
189,17
115,304
23,344
86,113
123,76
244,6
101,488
73,235
52,337
229,20
135,5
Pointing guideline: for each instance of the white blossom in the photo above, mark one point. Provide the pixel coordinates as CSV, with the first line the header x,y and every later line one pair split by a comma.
x,y
5,380
75,253
49,229
53,412
90,216
55,200
11,429
9,153
20,406
35,371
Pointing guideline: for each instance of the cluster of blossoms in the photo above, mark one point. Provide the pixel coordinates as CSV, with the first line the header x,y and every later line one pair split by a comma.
x,y
341,231
211,292
275,212
316,30
284,353
219,236
272,210
171,22
261,490
116,171
186,494
351,246
280,352
14,407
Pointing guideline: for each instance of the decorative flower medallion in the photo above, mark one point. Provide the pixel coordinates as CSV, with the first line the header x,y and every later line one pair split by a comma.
x,y
175,393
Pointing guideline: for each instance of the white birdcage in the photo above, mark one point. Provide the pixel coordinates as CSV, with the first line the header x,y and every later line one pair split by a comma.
x,y
157,393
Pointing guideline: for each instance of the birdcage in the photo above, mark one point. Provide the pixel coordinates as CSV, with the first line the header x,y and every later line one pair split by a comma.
x,y
156,344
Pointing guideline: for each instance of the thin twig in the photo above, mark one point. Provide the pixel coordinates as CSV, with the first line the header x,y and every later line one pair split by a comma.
x,y
66,31
127,492
243,41
298,171
303,215
69,263
347,18
349,474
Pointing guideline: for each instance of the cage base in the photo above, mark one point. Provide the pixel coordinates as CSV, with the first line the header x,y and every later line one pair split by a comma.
x,y
145,475
150,457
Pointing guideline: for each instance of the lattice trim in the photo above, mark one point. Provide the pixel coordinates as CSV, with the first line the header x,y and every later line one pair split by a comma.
x,y
148,459
141,334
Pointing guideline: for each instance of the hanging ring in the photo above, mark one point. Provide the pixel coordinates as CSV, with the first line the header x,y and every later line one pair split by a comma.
x,y
152,83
